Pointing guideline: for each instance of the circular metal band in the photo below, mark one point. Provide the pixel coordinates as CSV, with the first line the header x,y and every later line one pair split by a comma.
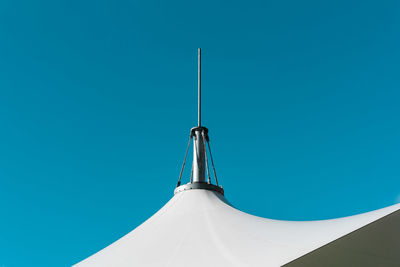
x,y
205,186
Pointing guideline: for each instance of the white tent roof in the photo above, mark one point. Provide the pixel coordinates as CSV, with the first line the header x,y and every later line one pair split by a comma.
x,y
200,228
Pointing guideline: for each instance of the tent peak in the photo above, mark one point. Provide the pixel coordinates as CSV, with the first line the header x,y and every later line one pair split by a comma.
x,y
200,165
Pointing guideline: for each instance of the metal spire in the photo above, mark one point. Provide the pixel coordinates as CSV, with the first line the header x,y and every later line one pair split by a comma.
x,y
198,144
199,88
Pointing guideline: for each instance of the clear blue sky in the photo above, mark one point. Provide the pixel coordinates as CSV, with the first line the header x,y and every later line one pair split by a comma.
x,y
97,99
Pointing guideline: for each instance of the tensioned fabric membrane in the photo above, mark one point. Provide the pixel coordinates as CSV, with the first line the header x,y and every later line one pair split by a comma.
x,y
200,228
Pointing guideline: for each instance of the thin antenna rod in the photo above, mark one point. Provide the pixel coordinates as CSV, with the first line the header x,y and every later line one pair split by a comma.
x,y
199,88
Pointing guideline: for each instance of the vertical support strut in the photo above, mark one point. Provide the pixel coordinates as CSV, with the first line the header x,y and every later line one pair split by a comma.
x,y
212,162
198,155
205,155
184,161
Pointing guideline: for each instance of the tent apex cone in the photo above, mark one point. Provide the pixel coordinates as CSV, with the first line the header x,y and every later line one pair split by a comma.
x,y
200,166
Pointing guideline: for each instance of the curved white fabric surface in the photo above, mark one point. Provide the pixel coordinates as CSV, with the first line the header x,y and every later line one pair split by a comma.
x,y
199,228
